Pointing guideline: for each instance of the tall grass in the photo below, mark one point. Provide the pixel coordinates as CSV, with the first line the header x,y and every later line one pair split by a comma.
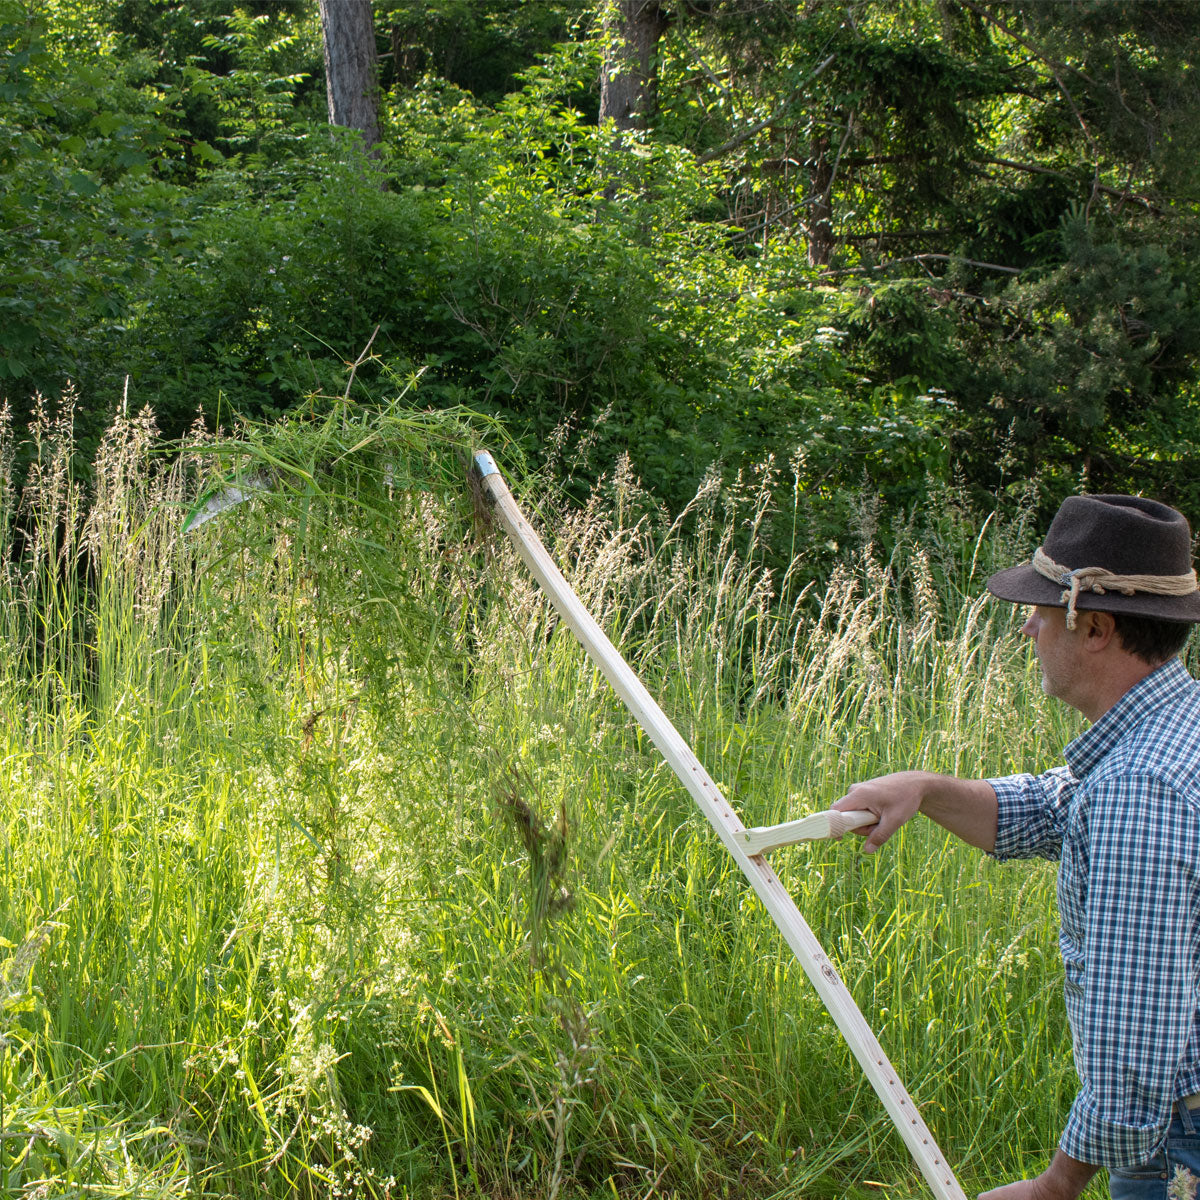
x,y
332,868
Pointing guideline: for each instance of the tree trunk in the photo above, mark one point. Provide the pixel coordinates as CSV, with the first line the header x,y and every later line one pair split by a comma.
x,y
348,32
629,76
820,205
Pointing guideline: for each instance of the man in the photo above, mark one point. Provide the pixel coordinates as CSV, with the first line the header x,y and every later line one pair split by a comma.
x,y
1114,595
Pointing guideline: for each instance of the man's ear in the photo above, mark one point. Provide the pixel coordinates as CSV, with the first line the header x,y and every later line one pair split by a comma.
x,y
1098,628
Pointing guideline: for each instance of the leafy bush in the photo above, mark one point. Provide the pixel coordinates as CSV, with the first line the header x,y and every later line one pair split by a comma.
x,y
1090,388
84,208
533,267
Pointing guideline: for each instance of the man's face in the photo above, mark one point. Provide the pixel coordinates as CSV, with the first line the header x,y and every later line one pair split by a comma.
x,y
1064,663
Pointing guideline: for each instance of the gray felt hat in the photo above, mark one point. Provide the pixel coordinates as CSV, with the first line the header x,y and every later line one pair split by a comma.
x,y
1119,554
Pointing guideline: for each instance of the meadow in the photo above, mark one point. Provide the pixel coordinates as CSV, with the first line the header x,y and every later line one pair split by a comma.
x,y
331,867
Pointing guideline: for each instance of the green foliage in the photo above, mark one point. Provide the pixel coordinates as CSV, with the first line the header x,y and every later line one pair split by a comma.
x,y
1126,88
85,205
481,46
841,213
1091,386
536,285
365,866
96,152
1025,167
242,78
1118,337
266,304
257,97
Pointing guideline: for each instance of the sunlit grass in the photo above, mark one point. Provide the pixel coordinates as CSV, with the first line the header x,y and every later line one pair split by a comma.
x,y
332,867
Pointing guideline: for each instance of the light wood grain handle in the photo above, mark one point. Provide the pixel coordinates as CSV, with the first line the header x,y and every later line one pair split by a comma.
x,y
832,824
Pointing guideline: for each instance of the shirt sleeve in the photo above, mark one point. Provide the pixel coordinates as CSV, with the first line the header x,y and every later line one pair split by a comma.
x,y
1032,813
1139,997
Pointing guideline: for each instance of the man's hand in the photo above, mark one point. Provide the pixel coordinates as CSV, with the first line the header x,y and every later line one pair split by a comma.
x,y
966,807
892,798
1064,1179
1023,1189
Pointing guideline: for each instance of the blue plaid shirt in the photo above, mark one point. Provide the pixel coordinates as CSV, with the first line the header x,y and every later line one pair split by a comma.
x,y
1124,818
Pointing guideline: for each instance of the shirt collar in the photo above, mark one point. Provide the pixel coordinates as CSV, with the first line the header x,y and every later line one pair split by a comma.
x,y
1162,685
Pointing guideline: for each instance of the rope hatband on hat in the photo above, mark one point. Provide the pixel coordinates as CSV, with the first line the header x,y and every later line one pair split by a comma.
x,y
1098,580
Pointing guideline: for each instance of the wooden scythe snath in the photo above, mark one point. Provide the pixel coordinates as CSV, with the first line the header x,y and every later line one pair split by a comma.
x,y
748,846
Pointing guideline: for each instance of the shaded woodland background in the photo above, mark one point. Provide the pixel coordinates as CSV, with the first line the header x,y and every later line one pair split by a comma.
x,y
900,246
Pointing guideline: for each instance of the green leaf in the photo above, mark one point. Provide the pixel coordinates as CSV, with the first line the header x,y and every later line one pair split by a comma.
x,y
81,184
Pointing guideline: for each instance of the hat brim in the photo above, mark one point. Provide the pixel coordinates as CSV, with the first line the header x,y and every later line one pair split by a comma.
x,y
1024,585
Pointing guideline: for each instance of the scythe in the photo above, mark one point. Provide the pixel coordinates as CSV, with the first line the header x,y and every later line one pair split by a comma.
x,y
748,846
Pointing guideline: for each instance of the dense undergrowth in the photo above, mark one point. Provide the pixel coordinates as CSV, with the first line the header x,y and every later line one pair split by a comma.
x,y
888,241
333,868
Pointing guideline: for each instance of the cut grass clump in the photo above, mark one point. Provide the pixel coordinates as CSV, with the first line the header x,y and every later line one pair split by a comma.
x,y
363,883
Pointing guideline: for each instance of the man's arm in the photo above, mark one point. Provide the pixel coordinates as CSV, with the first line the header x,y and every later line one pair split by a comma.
x,y
966,807
1064,1179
